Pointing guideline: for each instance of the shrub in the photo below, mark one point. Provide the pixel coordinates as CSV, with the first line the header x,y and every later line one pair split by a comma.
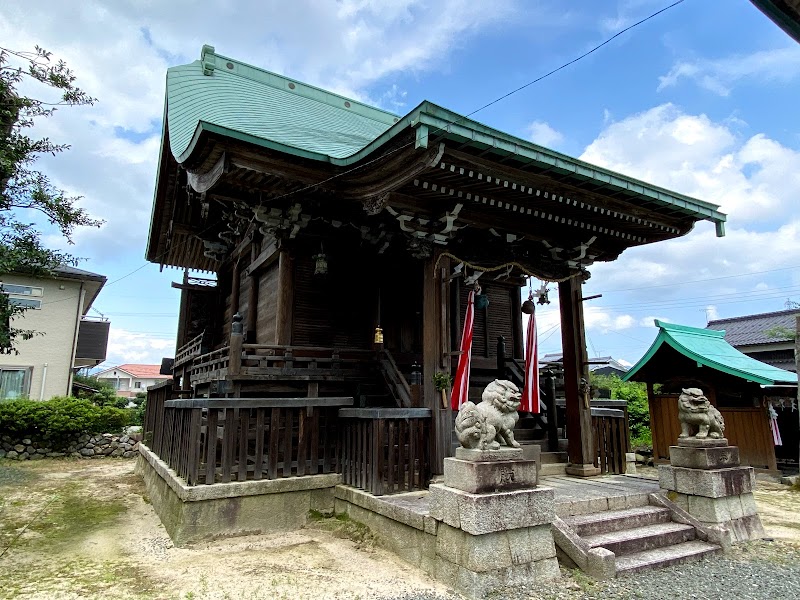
x,y
59,418
635,394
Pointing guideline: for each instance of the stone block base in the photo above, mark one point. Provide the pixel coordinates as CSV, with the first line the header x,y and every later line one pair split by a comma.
x,y
477,514
721,457
480,477
738,513
577,470
195,513
711,483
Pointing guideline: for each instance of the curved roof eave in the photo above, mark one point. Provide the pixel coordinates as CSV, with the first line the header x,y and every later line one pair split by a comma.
x,y
427,116
664,337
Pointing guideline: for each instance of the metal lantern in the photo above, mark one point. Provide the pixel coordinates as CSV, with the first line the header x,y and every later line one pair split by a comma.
x,y
321,266
378,335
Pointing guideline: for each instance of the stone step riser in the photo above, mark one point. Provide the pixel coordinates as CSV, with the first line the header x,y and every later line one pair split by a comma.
x,y
612,524
552,469
650,542
554,457
667,562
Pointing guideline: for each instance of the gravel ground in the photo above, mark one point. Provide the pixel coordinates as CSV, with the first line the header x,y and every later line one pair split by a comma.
x,y
755,571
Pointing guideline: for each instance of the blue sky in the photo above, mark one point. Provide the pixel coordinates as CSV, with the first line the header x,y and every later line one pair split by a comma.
x,y
702,99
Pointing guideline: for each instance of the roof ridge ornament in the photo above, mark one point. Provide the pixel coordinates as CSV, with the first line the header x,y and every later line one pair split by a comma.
x,y
207,59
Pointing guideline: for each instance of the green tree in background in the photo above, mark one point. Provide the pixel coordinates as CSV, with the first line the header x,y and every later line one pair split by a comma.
x,y
635,394
25,191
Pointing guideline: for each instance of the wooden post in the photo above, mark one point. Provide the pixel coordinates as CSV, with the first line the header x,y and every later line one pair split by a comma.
x,y
434,311
235,354
283,335
576,380
252,299
552,411
501,357
517,350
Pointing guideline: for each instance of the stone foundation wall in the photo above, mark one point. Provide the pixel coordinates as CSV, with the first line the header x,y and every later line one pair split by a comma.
x,y
204,512
82,446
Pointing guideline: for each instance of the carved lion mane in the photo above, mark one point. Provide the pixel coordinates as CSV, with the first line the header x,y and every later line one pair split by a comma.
x,y
698,418
491,422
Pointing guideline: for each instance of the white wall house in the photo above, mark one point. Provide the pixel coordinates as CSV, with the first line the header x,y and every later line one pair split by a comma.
x,y
44,366
130,379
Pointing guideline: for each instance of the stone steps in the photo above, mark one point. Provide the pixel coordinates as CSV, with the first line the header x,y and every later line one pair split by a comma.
x,y
608,521
664,557
642,537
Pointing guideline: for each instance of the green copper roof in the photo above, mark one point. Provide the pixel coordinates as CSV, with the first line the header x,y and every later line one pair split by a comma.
x,y
709,349
224,96
221,93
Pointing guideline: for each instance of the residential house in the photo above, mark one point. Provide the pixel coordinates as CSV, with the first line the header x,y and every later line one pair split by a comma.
x,y
67,339
766,337
130,379
600,365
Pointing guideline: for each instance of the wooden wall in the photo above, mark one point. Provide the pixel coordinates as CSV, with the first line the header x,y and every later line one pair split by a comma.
x,y
267,305
498,319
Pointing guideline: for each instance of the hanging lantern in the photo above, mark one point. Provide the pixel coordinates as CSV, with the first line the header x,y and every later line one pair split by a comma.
x,y
321,265
378,335
481,299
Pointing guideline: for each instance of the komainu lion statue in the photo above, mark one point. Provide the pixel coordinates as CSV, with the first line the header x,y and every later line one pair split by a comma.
x,y
489,423
698,418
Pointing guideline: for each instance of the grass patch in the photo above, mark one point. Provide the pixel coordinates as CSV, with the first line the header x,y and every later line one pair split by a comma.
x,y
66,517
82,577
12,474
342,526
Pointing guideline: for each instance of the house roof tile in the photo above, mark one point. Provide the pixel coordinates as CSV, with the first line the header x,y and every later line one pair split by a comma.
x,y
764,328
139,371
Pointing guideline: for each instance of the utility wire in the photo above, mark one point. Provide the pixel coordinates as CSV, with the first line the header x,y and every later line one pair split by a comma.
x,y
443,128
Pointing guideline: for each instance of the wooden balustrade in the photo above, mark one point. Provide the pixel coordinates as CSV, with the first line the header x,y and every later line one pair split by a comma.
x,y
189,351
395,380
611,439
385,450
218,440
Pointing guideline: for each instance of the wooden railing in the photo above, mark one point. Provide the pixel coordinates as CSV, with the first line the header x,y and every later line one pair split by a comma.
x,y
213,365
153,426
610,429
385,450
395,380
192,349
218,440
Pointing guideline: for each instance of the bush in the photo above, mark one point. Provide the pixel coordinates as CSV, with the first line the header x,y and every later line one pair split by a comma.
x,y
59,419
635,394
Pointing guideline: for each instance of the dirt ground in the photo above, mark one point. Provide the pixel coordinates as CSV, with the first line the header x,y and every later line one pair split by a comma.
x,y
85,529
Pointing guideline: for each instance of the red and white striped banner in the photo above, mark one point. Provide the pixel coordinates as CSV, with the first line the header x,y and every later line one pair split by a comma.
x,y
461,383
530,393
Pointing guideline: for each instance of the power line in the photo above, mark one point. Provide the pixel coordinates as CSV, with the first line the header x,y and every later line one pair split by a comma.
x,y
438,130
679,283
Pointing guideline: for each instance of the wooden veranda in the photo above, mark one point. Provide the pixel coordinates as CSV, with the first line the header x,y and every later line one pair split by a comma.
x,y
343,242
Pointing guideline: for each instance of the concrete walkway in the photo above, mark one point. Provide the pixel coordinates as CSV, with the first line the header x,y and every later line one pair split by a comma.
x,y
573,495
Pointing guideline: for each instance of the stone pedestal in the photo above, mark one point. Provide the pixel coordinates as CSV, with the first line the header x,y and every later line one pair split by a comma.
x,y
494,528
705,479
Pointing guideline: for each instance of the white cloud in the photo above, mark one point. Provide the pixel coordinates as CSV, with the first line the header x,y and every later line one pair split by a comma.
x,y
756,182
753,181
650,321
120,52
130,347
541,133
596,318
721,75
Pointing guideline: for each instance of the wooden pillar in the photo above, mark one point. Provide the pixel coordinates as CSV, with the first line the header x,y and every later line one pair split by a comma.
x,y
283,329
517,350
235,284
576,378
252,299
435,337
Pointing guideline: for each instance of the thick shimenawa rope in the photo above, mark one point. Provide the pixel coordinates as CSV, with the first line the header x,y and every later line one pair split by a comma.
x,y
500,267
